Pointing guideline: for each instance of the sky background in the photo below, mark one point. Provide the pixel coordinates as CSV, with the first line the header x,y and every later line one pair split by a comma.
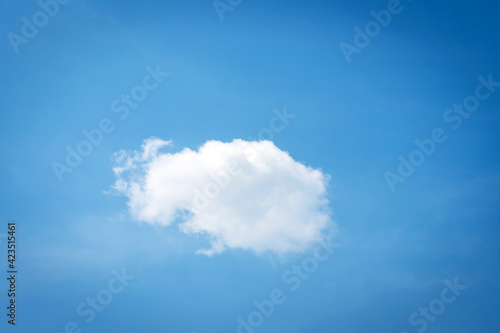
x,y
353,120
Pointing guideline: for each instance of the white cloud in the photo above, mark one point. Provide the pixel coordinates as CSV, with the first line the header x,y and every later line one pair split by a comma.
x,y
246,195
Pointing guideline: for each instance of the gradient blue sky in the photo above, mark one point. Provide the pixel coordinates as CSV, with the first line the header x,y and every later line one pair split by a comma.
x,y
353,121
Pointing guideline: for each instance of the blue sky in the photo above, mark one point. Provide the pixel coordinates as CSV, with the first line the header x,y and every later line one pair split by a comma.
x,y
394,246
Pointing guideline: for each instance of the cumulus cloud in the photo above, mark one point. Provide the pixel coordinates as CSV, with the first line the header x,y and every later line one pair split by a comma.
x,y
241,194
